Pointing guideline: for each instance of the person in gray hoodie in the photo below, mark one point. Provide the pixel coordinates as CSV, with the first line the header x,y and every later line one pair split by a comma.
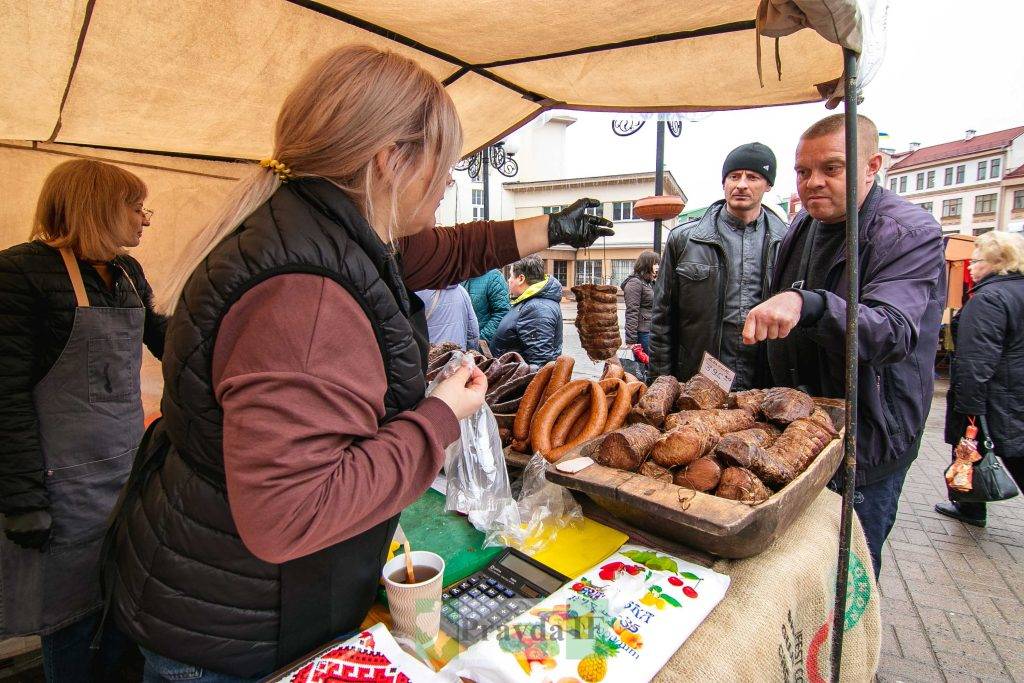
x,y
450,316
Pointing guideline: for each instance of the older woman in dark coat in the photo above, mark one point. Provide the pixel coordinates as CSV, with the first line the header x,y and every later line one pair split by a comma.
x,y
987,373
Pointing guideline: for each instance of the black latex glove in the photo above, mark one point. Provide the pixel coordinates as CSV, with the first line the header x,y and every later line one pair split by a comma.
x,y
578,229
29,529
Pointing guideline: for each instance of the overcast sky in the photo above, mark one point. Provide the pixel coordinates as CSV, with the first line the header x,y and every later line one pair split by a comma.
x,y
949,65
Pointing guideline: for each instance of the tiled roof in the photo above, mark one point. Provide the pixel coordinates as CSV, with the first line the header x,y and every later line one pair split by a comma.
x,y
958,148
1016,173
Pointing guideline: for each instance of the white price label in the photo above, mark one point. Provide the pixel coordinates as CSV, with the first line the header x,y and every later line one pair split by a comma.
x,y
717,372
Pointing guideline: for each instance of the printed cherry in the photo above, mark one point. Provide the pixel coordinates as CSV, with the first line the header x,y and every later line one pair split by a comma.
x,y
675,581
689,592
632,569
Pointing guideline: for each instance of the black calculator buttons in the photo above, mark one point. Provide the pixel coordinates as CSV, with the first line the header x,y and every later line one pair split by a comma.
x,y
455,592
445,597
498,585
475,592
491,582
464,585
473,580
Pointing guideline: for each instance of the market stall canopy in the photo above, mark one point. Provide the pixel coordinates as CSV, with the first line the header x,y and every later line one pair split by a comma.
x,y
208,77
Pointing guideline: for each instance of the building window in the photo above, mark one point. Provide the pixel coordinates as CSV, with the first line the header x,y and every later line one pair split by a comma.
x,y
1018,200
622,211
621,269
927,206
995,168
982,231
931,179
960,170
951,208
596,211
478,204
982,169
560,269
552,209
892,184
903,183
948,180
588,272
920,181
985,203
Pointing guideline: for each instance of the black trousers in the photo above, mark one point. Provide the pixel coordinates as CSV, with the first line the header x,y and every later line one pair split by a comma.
x,y
1015,466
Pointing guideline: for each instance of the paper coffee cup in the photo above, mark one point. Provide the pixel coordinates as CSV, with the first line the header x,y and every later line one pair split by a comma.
x,y
415,608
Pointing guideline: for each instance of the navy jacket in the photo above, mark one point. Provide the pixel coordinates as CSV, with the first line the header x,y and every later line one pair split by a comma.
x,y
902,294
533,327
987,373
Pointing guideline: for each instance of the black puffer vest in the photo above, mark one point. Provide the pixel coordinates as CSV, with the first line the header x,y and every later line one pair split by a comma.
x,y
186,587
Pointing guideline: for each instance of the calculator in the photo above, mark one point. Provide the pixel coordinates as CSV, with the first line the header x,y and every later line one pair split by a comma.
x,y
510,585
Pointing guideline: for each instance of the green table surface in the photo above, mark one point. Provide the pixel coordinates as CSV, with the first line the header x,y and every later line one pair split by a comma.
x,y
450,535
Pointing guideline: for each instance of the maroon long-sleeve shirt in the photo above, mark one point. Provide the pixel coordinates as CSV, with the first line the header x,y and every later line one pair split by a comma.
x,y
301,382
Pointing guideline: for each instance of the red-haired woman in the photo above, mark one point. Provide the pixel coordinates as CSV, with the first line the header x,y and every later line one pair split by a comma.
x,y
75,311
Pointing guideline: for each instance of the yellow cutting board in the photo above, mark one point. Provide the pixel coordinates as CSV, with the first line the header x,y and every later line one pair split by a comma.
x,y
576,548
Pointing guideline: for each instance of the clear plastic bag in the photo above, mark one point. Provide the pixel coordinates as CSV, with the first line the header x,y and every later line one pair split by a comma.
x,y
478,484
543,508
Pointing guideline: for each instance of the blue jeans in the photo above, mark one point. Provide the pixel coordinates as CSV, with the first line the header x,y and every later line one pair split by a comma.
x,y
644,339
876,505
160,669
67,657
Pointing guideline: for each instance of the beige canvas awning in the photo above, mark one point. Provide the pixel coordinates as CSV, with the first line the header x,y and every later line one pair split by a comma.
x,y
206,77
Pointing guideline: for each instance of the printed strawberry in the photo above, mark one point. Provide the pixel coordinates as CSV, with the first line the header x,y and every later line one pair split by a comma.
x,y
632,569
609,571
675,581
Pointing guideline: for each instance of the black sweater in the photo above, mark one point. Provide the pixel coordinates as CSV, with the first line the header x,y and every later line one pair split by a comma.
x,y
37,310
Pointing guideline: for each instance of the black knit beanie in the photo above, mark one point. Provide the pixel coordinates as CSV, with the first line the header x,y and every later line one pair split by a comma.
x,y
751,157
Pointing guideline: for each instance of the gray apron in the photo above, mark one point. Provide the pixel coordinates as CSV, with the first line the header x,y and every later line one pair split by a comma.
x,y
89,407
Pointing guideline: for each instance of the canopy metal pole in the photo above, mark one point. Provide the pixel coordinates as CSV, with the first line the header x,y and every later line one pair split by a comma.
x,y
852,299
486,153
659,179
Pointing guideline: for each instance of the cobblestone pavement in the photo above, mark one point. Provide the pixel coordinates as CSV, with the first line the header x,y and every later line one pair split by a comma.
x,y
952,594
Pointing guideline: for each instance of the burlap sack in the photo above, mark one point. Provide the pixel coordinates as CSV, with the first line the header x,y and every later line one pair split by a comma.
x,y
775,623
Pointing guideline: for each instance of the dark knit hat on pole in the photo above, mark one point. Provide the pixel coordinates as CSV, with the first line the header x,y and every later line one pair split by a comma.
x,y
751,157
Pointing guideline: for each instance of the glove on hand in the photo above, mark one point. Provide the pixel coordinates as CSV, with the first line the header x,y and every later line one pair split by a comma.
x,y
576,228
29,530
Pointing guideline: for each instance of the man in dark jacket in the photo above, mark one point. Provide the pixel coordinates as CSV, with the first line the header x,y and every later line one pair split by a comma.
x,y
713,271
902,291
534,325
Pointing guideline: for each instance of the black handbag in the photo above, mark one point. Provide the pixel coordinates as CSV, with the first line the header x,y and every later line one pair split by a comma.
x,y
991,482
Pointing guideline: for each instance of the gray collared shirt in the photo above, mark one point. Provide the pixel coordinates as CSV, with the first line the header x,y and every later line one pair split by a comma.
x,y
744,253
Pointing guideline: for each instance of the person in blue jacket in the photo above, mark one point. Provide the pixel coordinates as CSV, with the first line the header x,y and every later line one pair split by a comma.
x,y
534,325
489,294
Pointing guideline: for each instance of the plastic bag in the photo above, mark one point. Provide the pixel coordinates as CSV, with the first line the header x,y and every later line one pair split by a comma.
x,y
478,484
543,508
960,475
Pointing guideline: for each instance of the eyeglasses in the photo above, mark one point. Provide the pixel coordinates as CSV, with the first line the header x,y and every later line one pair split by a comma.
x,y
978,260
146,213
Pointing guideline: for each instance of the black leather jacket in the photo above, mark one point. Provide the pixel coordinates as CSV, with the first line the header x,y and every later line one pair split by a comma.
x,y
689,294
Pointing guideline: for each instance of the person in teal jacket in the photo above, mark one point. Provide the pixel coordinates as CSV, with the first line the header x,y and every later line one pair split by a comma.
x,y
489,294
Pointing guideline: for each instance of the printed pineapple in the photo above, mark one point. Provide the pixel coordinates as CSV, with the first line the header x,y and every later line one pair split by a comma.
x,y
594,667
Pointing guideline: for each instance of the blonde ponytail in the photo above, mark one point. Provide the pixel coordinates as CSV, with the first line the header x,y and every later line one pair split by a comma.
x,y
349,105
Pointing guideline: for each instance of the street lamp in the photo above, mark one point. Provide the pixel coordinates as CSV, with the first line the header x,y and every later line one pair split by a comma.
x,y
498,156
655,210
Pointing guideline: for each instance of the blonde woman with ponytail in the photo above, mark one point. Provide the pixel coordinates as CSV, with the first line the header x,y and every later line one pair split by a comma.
x,y
295,427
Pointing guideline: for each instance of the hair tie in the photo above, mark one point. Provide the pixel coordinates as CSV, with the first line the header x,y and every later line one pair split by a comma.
x,y
279,169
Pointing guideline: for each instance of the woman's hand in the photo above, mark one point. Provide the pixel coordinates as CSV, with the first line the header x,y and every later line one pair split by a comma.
x,y
464,391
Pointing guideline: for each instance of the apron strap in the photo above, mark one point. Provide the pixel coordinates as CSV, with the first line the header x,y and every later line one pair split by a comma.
x,y
75,273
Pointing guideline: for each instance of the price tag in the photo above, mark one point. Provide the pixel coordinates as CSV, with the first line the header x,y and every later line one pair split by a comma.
x,y
717,372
